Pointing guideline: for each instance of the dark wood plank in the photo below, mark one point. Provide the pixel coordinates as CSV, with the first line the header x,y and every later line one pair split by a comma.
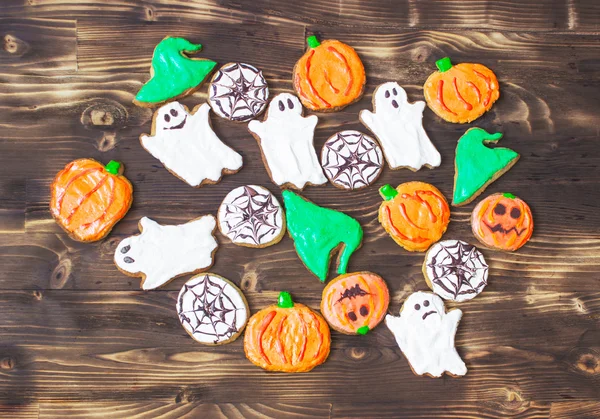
x,y
20,411
575,410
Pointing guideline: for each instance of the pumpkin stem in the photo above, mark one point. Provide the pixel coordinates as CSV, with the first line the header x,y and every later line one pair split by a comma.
x,y
508,195
363,330
387,192
113,167
443,64
285,300
312,41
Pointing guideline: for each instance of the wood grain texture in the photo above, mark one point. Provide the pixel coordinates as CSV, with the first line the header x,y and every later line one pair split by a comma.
x,y
79,339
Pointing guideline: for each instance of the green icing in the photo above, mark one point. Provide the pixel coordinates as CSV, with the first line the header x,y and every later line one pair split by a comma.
x,y
113,167
362,330
476,164
317,231
508,195
313,41
388,192
285,300
173,72
443,64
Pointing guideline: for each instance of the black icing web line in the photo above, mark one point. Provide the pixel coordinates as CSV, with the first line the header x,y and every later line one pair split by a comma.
x,y
255,215
242,94
455,275
209,308
351,170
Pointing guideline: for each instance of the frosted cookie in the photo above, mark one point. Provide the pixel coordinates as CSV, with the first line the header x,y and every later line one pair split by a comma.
x,y
318,232
502,221
238,92
251,216
188,147
425,334
287,337
88,198
351,160
455,270
173,73
355,303
476,166
162,253
461,93
415,214
212,310
285,139
329,76
398,125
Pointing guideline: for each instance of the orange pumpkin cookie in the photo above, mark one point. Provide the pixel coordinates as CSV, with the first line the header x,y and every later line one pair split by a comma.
x,y
502,221
287,337
88,199
355,303
415,214
461,93
329,76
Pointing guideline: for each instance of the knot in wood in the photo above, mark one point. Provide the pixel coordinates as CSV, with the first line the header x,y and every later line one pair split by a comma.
x,y
588,363
105,114
11,44
60,274
7,363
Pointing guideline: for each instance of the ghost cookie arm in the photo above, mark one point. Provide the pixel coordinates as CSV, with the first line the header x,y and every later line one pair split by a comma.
x,y
257,127
368,119
200,114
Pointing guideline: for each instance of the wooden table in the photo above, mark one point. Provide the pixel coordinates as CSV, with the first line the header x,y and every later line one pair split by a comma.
x,y
79,338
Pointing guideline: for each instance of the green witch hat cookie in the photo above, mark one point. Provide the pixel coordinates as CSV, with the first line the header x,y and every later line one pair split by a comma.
x,y
173,73
318,232
476,166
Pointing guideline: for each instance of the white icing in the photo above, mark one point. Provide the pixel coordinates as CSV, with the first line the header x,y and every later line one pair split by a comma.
x,y
428,343
163,252
400,129
193,151
211,309
286,139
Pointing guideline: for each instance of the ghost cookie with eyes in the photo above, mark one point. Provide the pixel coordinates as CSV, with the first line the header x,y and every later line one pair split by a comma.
x,y
188,147
285,138
425,333
398,126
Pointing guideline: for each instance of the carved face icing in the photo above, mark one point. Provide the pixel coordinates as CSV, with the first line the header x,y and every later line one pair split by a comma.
x,y
423,306
390,96
285,104
172,116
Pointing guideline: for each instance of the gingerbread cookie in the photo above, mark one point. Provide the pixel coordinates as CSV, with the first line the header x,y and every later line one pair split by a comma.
x,y
425,333
415,214
212,310
285,138
476,166
238,92
287,337
251,216
173,73
329,76
398,125
88,198
188,147
455,270
351,160
162,253
502,221
461,93
318,232
355,303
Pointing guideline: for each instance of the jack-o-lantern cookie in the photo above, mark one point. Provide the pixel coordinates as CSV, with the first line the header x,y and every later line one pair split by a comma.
x,y
461,93
502,221
415,214
88,198
287,337
329,76
355,303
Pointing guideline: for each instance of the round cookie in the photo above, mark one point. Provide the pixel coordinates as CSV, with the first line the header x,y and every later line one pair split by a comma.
x,y
355,303
251,216
502,221
211,309
351,160
455,270
238,92
287,337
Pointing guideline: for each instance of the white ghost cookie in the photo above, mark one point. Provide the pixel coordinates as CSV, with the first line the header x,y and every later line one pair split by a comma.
x,y
425,334
162,253
398,125
286,141
188,147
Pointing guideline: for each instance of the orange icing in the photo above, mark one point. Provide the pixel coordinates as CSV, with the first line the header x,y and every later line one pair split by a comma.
x,y
329,76
87,201
463,93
